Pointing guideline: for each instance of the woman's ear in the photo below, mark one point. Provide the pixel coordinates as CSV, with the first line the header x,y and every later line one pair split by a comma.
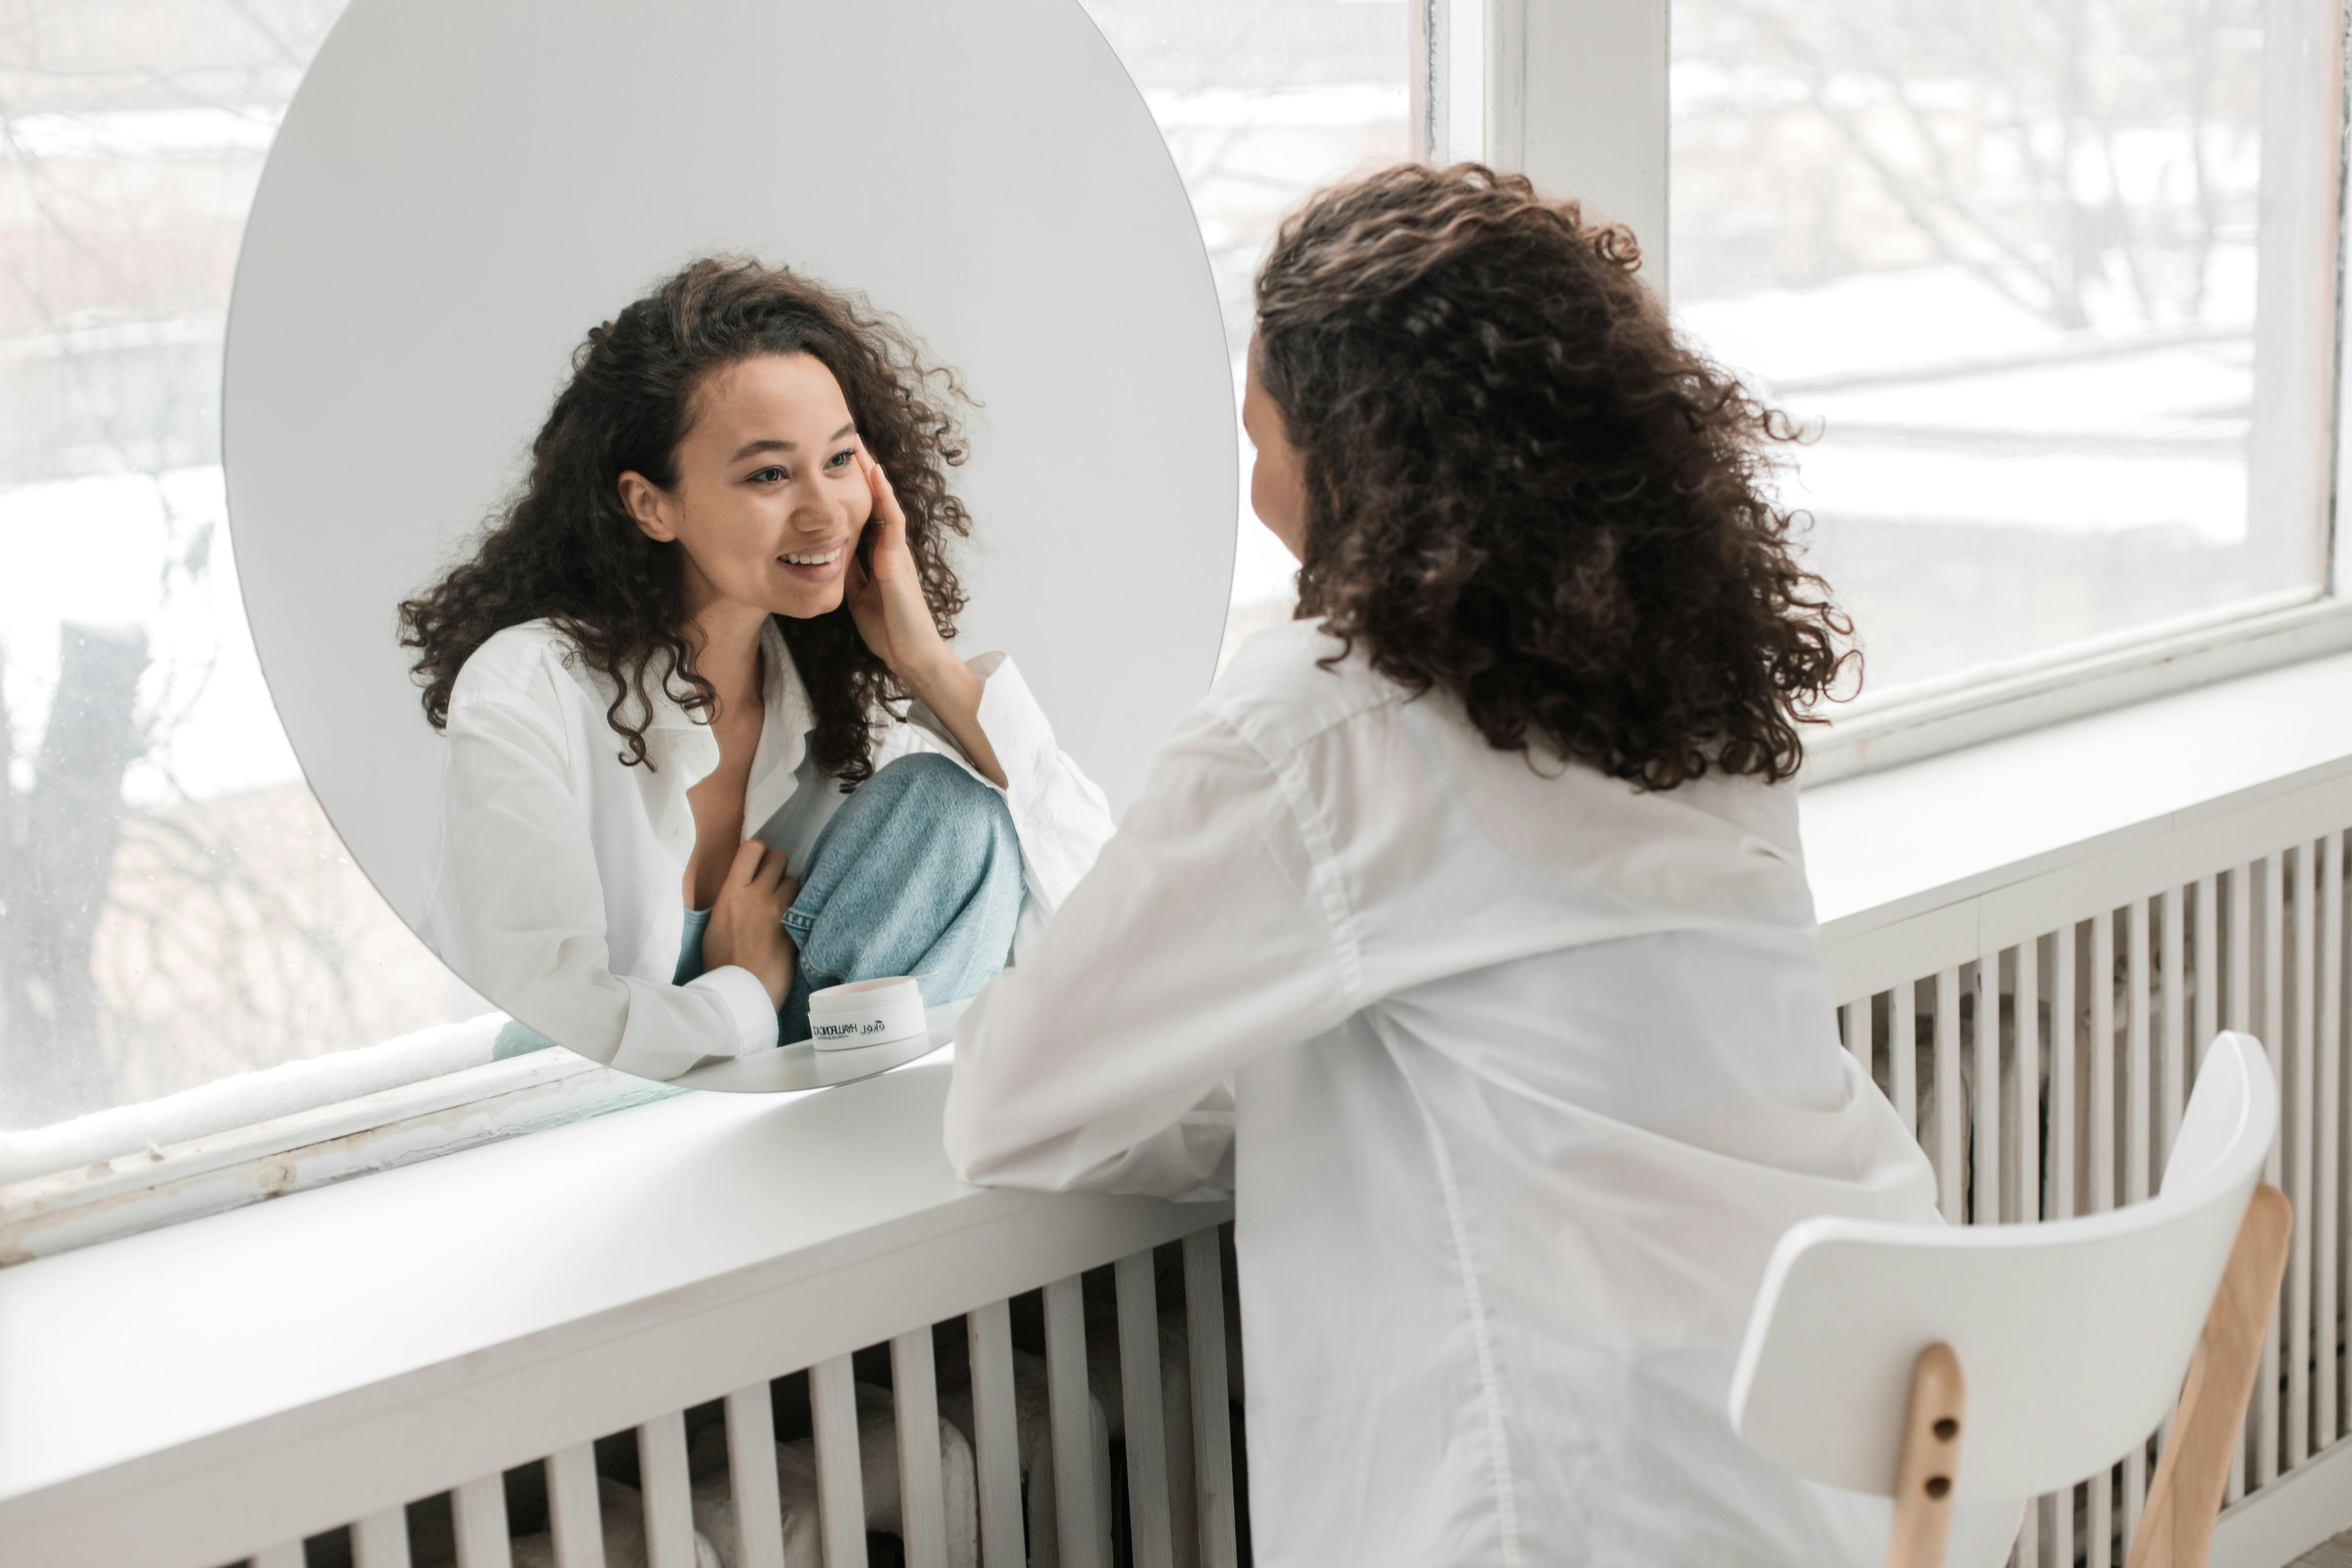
x,y
649,507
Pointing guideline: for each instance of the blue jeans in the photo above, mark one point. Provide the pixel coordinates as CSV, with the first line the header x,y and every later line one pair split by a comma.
x,y
917,872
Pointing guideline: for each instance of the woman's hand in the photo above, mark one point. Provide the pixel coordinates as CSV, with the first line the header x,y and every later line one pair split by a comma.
x,y
746,919
884,590
884,594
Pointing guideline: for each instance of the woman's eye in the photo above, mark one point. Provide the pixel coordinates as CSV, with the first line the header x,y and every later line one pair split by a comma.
x,y
769,475
840,459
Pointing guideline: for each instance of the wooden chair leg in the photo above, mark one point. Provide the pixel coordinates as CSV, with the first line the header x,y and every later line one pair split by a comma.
x,y
1930,1463
2176,1528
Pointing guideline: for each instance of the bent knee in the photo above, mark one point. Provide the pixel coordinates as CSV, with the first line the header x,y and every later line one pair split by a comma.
x,y
929,782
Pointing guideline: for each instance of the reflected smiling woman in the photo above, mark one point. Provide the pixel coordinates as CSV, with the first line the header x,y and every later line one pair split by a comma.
x,y
709,747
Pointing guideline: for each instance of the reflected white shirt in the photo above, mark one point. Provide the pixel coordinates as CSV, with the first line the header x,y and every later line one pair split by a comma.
x,y
1516,1077
557,872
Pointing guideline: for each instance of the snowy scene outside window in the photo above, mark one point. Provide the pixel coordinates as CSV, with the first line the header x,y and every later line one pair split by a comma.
x,y
1261,104
2002,262
174,908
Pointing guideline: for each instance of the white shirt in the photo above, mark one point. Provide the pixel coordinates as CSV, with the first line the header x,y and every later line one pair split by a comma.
x,y
558,871
1515,1076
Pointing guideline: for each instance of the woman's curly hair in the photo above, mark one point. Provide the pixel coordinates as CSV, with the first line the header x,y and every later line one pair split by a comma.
x,y
567,550
1522,487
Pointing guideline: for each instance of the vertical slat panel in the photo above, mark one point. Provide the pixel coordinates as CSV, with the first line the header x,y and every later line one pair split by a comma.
x,y
2239,990
922,1492
2328,1209
2026,1085
1878,1020
2102,1043
2171,1046
2172,1022
1984,1200
479,1511
2273,1007
2208,1022
668,1496
1950,1190
752,1477
287,1554
2061,1182
1212,1456
2100,982
2139,1091
1902,1058
1853,1029
381,1540
574,1517
996,1438
2303,1036
1149,1533
1074,1449
2138,1058
840,1484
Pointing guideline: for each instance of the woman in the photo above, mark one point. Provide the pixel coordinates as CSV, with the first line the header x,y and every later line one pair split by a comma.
x,y
1462,933
678,795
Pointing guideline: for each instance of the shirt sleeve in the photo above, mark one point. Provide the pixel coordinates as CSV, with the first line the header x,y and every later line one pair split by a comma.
x,y
530,926
1207,935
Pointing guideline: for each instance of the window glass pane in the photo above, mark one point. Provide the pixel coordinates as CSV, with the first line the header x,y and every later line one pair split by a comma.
x,y
173,906
2005,261
1261,103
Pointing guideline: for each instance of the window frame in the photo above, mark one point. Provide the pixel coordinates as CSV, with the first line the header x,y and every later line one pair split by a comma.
x,y
1575,94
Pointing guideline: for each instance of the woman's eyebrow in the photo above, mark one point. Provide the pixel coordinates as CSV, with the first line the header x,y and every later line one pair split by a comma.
x,y
772,445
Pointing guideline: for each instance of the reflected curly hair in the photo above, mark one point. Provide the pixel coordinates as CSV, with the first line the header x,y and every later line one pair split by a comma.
x,y
567,550
1523,488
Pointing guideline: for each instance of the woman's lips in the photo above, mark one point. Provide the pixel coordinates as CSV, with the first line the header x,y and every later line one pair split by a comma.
x,y
814,566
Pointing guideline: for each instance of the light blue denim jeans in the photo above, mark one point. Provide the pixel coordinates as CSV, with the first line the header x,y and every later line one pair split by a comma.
x,y
917,872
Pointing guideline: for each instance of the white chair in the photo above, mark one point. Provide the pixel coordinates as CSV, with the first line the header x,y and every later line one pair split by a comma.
x,y
1878,1352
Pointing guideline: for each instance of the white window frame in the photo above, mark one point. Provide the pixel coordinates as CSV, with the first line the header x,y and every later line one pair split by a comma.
x,y
1574,94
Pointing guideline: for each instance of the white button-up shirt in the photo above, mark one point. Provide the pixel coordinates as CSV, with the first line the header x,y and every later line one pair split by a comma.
x,y
1516,1073
556,887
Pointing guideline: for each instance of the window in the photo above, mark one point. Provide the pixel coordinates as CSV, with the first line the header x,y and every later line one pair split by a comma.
x,y
2047,288
173,906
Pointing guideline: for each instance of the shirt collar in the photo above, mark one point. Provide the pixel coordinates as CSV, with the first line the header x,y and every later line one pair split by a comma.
x,y
688,753
784,735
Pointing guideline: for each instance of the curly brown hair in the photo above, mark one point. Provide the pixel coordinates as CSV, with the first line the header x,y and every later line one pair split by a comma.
x,y
1523,488
566,548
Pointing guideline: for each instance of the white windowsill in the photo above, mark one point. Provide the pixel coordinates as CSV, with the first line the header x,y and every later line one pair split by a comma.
x,y
1884,844
1988,704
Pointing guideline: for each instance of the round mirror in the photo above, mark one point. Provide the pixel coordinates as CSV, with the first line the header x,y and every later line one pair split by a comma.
x,y
462,188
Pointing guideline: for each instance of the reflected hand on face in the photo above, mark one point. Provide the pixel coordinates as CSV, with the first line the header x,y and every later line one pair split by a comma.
x,y
746,919
884,590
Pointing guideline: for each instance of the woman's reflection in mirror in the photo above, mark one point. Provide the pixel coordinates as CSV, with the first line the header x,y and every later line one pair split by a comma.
x,y
709,747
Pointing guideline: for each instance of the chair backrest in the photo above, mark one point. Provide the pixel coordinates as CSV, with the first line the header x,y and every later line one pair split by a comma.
x,y
2072,1336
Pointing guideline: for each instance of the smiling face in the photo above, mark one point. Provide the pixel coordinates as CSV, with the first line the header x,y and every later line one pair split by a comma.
x,y
768,499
